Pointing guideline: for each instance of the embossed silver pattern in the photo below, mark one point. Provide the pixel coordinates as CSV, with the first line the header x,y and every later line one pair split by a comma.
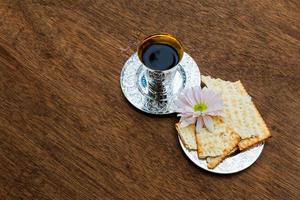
x,y
230,165
154,92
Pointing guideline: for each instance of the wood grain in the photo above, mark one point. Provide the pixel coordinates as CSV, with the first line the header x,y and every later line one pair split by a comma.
x,y
67,132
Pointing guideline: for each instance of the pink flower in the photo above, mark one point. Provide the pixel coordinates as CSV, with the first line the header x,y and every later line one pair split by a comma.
x,y
196,105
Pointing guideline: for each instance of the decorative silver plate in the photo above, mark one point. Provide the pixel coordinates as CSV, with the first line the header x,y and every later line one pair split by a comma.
x,y
232,164
134,84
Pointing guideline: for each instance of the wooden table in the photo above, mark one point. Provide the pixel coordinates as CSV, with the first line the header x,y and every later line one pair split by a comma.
x,y
67,131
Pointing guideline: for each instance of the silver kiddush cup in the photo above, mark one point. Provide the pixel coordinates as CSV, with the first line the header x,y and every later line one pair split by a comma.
x,y
154,91
160,82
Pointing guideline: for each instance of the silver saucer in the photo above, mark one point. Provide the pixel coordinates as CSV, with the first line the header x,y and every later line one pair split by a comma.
x,y
134,84
230,165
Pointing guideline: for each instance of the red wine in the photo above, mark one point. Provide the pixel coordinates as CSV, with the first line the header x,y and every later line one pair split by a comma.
x,y
159,56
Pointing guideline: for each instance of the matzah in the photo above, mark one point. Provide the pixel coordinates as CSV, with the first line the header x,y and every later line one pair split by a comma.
x,y
239,111
212,162
187,136
227,88
220,142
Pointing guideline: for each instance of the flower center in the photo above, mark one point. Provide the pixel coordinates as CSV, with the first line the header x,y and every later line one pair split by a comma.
x,y
200,107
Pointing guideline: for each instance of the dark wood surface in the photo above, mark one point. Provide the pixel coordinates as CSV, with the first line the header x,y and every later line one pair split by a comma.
x,y
67,132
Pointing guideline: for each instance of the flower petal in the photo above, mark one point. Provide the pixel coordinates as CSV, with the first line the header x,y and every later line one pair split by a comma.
x,y
186,114
182,105
216,103
199,124
185,121
208,121
211,99
189,96
216,113
197,93
179,106
183,100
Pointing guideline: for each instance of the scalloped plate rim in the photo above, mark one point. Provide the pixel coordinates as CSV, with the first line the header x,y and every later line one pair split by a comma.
x,y
195,161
